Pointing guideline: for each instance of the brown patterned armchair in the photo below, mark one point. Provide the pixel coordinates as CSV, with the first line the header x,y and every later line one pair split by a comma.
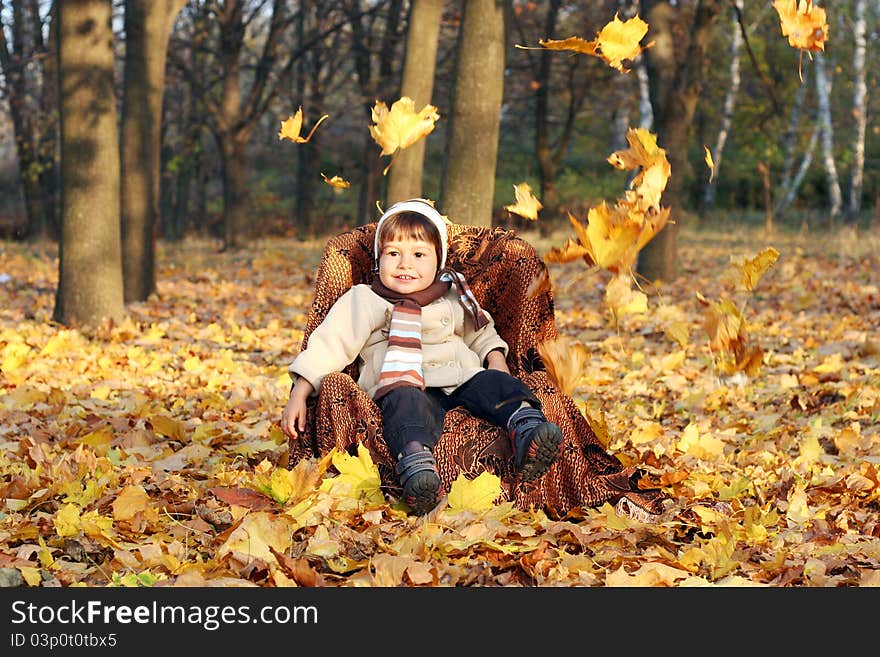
x,y
500,268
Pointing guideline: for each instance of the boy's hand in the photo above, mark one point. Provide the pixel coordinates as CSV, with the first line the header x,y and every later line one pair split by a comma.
x,y
293,418
495,361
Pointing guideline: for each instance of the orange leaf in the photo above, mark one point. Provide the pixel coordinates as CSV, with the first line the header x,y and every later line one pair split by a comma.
x,y
336,182
245,497
564,360
802,23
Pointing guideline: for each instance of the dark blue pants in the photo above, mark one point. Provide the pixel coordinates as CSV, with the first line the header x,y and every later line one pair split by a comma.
x,y
410,414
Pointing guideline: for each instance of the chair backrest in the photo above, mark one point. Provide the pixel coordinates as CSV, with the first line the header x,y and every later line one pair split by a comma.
x,y
505,272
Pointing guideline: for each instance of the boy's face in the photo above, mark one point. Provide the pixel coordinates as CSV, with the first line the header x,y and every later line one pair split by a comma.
x,y
407,265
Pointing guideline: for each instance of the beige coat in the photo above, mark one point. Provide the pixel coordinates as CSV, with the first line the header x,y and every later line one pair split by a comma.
x,y
356,327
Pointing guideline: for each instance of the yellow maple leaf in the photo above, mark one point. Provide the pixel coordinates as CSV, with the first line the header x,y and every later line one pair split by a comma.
x,y
611,238
526,206
616,42
66,520
653,222
288,486
477,494
644,154
358,476
257,535
802,23
619,41
291,127
336,182
401,126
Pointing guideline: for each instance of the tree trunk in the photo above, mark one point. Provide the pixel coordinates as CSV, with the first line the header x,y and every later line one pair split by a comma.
x,y
730,99
548,162
373,76
823,94
675,87
859,112
468,185
31,125
90,260
237,230
405,177
147,29
789,149
789,192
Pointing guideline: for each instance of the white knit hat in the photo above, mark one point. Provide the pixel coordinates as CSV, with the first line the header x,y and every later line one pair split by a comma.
x,y
419,206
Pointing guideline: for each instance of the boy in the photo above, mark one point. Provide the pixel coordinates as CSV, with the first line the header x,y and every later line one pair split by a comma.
x,y
424,345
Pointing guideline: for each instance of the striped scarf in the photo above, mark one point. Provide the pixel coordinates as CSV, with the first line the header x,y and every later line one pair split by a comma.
x,y
402,365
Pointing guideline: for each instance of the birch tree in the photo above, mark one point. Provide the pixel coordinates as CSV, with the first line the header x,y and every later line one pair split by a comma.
x,y
730,98
823,96
860,111
789,151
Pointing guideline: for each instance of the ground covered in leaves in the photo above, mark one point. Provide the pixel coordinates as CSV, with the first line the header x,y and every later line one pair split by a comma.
x,y
148,453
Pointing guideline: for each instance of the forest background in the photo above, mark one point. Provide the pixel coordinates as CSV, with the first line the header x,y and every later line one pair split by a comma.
x,y
131,444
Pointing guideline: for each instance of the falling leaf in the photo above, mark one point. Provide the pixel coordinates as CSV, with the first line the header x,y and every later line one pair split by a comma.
x,y
751,271
478,494
611,238
564,360
709,162
401,126
526,205
571,250
802,23
617,41
336,182
291,127
622,299
540,284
